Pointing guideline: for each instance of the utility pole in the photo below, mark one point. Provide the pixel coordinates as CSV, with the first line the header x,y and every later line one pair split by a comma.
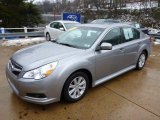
x,y
54,10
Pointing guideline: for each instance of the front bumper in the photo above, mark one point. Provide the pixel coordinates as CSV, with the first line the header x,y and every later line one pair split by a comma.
x,y
21,87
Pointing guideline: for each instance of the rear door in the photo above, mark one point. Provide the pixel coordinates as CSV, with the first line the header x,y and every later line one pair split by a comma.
x,y
131,44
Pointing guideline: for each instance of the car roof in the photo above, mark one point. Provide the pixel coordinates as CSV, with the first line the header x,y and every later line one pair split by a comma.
x,y
104,25
129,23
65,21
106,20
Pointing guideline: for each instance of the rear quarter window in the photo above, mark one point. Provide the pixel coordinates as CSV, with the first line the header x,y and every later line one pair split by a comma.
x,y
130,34
136,34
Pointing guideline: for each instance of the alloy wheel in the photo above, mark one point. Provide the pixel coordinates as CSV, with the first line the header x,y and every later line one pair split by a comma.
x,y
142,60
77,87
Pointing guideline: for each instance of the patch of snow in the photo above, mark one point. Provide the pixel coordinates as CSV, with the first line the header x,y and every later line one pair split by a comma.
x,y
24,41
141,5
157,43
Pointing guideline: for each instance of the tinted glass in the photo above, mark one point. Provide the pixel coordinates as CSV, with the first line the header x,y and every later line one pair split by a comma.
x,y
113,36
55,25
136,34
60,26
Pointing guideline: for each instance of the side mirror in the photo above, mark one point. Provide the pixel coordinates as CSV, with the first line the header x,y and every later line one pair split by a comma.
x,y
104,46
62,29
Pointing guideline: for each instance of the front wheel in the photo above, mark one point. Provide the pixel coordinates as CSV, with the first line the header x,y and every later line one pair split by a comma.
x,y
75,87
48,38
141,60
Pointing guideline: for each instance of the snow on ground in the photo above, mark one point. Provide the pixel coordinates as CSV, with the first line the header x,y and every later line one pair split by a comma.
x,y
23,41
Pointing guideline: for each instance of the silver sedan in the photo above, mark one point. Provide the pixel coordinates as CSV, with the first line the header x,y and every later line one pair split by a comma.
x,y
80,58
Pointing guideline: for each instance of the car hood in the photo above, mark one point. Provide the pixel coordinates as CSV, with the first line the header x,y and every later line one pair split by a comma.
x,y
41,54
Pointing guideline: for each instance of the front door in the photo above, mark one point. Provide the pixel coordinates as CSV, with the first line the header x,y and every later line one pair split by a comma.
x,y
110,61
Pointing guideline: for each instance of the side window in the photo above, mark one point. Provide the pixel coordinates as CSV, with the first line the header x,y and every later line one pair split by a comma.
x,y
61,26
113,36
55,25
130,34
136,34
52,25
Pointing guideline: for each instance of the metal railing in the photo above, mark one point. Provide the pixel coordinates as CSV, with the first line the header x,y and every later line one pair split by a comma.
x,y
26,32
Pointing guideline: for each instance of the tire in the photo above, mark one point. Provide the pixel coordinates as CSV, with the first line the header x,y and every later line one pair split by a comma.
x,y
141,60
48,38
75,87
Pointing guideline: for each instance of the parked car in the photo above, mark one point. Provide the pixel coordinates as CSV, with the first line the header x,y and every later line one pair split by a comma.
x,y
109,21
138,26
55,28
102,21
83,57
155,33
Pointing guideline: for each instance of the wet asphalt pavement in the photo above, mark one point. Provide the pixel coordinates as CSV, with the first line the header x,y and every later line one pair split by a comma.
x,y
132,96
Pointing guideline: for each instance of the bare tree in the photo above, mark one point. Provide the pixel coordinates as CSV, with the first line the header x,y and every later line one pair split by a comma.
x,y
45,6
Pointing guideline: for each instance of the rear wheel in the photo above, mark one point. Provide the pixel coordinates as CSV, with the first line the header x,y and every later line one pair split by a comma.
x,y
141,60
75,87
48,38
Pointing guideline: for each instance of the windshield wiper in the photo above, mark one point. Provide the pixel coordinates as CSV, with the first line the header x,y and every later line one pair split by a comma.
x,y
66,44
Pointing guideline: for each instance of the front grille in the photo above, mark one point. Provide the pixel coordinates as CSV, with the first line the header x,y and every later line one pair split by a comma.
x,y
15,67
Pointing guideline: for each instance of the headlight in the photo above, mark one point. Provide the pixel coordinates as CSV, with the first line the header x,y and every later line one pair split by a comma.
x,y
41,72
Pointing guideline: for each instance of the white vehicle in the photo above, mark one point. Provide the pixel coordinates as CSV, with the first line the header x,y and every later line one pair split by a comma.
x,y
155,33
55,28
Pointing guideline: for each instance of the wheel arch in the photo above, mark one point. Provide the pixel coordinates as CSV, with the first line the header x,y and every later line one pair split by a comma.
x,y
47,33
145,50
84,70
87,72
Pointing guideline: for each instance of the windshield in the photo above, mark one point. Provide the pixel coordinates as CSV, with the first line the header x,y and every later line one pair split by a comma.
x,y
70,25
80,37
